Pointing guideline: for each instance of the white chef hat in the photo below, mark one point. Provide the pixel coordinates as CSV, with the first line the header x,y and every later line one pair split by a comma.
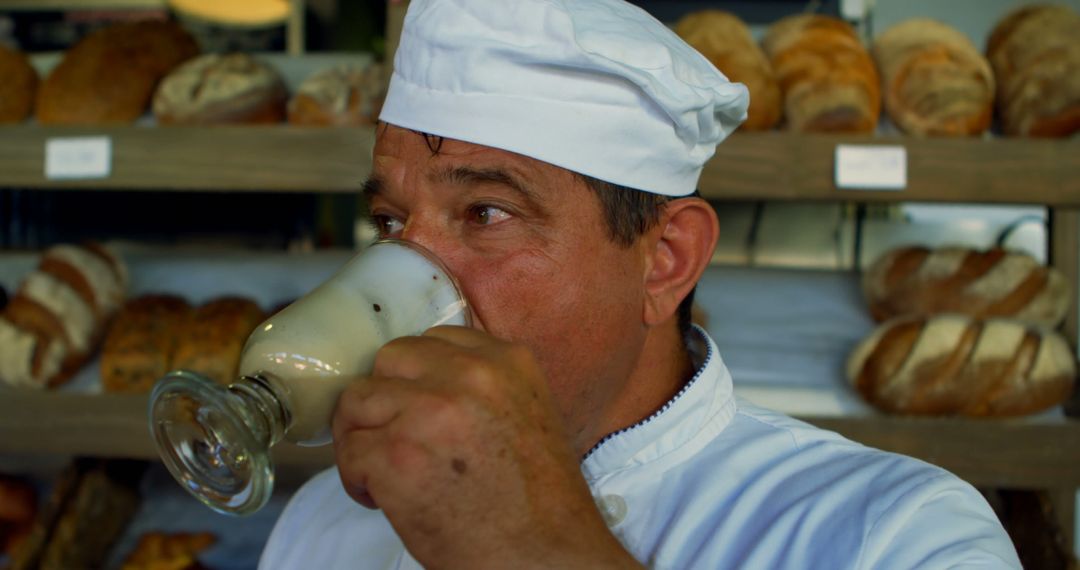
x,y
598,87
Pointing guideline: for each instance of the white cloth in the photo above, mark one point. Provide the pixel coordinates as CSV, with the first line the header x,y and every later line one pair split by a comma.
x,y
600,87
712,482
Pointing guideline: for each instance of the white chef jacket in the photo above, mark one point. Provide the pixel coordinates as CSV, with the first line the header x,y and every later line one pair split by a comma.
x,y
712,481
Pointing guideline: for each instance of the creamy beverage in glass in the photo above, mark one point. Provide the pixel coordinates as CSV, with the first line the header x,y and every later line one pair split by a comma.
x,y
215,439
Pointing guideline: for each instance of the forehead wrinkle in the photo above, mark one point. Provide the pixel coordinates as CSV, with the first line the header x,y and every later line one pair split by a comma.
x,y
468,175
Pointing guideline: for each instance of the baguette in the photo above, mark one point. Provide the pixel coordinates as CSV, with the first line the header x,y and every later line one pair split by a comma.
x,y
956,365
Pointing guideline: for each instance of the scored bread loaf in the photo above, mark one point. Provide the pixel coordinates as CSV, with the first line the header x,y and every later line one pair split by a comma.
x,y
17,87
828,80
110,75
54,322
344,96
725,40
1035,54
980,283
221,89
935,81
139,347
957,365
212,339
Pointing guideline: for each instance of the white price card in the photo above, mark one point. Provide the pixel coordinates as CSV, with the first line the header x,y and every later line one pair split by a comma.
x,y
73,158
871,167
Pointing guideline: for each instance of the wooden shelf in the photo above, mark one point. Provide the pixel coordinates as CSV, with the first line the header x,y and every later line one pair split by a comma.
x,y
1027,455
45,5
226,158
787,166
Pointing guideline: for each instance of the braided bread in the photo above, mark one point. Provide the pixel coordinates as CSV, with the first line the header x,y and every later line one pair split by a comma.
x,y
956,365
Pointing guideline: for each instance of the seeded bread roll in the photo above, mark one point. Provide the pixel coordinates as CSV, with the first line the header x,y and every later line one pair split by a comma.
x,y
214,336
110,75
990,283
828,80
221,89
17,87
725,40
1036,57
343,96
956,365
934,79
140,344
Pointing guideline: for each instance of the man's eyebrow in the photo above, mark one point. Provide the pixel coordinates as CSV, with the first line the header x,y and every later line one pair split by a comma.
x,y
464,176
373,186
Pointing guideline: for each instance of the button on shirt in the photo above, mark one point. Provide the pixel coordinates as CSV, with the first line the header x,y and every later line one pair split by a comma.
x,y
712,481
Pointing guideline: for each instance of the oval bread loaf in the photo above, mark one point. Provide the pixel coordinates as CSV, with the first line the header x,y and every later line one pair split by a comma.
x,y
725,40
934,80
979,283
956,365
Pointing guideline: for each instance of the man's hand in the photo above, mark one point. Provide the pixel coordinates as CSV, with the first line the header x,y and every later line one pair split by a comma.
x,y
455,437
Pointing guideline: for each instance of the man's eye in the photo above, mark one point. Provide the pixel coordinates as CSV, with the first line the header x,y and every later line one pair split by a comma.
x,y
487,215
387,226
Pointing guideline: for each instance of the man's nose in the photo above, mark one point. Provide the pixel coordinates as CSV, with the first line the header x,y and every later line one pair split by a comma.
x,y
430,237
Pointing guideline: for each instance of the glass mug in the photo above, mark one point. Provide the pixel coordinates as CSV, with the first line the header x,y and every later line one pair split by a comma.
x,y
216,439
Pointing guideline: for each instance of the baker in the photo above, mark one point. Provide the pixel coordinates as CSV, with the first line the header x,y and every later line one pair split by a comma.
x,y
548,152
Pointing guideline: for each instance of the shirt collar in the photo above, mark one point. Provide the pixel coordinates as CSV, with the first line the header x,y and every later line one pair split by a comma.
x,y
703,408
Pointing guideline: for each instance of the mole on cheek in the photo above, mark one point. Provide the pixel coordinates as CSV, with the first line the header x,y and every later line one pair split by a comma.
x,y
459,466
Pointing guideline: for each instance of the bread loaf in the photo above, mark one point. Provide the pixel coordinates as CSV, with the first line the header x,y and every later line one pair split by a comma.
x,y
110,75
990,283
1035,55
18,83
956,365
342,96
827,77
934,80
55,321
214,336
221,89
725,40
139,347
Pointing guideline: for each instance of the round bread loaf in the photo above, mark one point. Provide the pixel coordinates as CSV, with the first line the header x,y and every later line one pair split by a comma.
x,y
343,96
221,89
109,76
828,80
141,342
17,87
980,283
1035,55
725,40
957,365
934,79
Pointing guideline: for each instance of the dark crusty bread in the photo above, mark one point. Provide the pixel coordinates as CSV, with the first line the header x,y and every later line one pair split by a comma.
x,y
110,75
980,283
18,83
1036,58
214,336
139,346
956,365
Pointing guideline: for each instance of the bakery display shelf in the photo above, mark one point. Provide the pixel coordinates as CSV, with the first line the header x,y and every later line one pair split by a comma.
x,y
748,166
1027,454
790,166
220,158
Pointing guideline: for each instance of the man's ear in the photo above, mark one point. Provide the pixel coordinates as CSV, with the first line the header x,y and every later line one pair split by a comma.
x,y
680,248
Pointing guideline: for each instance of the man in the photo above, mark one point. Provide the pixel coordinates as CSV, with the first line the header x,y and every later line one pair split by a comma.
x,y
583,423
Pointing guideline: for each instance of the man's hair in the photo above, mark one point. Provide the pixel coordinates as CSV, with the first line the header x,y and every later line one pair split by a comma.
x,y
628,214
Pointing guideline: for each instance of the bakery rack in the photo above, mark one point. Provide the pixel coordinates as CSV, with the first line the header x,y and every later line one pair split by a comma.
x,y
772,166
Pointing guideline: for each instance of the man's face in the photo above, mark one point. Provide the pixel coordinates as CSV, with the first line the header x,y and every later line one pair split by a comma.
x,y
528,243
